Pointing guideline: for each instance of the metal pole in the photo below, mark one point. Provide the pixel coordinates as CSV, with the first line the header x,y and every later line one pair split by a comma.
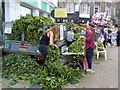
x,y
23,35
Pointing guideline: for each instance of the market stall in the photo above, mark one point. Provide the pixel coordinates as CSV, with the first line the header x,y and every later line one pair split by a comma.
x,y
102,18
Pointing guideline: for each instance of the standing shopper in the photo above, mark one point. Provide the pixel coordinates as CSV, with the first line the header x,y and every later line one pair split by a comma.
x,y
118,37
47,39
89,47
70,36
101,39
105,37
109,36
97,33
113,37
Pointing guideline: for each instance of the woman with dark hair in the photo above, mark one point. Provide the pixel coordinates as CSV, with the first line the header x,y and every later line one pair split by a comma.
x,y
47,39
89,47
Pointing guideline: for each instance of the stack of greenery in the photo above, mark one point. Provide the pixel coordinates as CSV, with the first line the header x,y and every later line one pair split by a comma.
x,y
100,46
32,26
77,31
52,76
77,46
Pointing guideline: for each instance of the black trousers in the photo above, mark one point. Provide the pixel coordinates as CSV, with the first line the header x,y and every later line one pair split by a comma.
x,y
118,41
44,50
89,54
104,43
69,43
109,41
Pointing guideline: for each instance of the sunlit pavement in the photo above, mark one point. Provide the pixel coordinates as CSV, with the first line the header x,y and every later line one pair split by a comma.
x,y
106,73
105,76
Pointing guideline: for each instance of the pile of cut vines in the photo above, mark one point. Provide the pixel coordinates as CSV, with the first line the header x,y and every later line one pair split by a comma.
x,y
52,76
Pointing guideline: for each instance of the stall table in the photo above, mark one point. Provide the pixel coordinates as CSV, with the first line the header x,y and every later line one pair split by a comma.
x,y
77,62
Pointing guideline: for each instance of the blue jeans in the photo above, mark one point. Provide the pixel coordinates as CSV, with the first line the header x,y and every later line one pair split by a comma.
x,y
89,54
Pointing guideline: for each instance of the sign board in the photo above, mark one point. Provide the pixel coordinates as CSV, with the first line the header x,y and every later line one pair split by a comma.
x,y
8,30
84,15
60,12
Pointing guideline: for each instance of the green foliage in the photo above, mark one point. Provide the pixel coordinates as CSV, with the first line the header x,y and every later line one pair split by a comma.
x,y
77,31
52,76
18,67
77,47
99,44
32,26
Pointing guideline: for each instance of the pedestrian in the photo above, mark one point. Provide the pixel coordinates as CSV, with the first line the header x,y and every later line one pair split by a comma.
x,y
70,36
101,38
101,29
105,34
113,37
97,30
90,45
47,39
109,37
118,37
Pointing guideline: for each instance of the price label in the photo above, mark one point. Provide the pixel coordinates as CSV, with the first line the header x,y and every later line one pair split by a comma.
x,y
8,30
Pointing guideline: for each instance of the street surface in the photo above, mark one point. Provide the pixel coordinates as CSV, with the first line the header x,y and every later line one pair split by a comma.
x,y
106,73
105,76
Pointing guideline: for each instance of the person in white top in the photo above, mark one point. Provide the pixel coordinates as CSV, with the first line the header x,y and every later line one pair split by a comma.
x,y
101,38
70,36
114,37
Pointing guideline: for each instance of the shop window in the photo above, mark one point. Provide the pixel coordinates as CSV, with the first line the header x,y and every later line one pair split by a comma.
x,y
108,11
25,10
96,8
70,7
76,7
40,14
84,8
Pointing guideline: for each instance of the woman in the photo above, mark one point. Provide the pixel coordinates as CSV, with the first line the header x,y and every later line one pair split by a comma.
x,y
70,36
105,37
89,47
101,38
113,37
48,40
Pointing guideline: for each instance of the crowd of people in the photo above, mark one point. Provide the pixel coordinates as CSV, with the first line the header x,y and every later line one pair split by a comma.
x,y
109,36
90,34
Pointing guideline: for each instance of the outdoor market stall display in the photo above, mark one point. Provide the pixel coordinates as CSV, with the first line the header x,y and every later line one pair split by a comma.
x,y
75,52
102,19
21,67
25,35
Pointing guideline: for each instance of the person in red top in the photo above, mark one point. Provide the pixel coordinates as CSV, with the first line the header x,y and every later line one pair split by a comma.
x,y
89,45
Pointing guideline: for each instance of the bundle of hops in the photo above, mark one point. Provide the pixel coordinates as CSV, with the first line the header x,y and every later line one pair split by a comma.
x,y
100,46
77,46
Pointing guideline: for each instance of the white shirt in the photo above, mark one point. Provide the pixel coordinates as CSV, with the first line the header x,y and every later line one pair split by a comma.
x,y
70,36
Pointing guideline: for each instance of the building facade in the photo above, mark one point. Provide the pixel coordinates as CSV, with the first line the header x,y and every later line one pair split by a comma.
x,y
13,9
87,8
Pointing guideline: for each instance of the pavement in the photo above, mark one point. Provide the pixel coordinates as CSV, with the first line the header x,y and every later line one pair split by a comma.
x,y
106,73
105,76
